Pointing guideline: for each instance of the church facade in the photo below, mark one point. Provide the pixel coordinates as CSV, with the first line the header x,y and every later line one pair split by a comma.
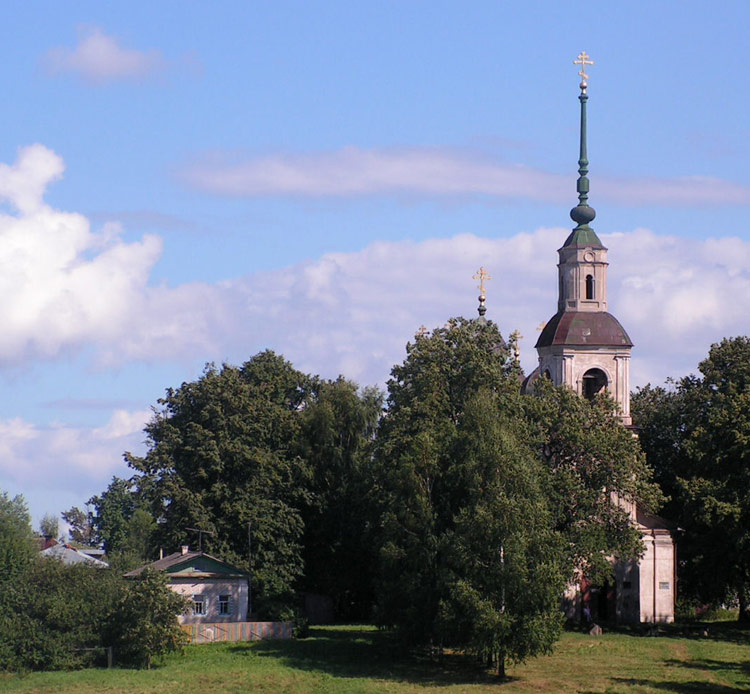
x,y
584,347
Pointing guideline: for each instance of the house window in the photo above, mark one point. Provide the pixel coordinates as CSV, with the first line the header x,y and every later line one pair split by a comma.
x,y
224,605
199,605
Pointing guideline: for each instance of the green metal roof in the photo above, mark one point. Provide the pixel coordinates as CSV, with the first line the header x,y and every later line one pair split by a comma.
x,y
583,235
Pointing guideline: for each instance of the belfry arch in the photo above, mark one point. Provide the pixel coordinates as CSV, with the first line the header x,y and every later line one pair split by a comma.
x,y
594,381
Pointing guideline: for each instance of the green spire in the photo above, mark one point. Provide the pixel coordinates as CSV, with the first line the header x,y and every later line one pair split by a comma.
x,y
583,213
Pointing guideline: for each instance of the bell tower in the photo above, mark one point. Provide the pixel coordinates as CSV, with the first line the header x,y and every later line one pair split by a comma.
x,y
582,345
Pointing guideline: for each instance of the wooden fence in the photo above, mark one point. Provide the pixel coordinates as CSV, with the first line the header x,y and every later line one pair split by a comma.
x,y
237,631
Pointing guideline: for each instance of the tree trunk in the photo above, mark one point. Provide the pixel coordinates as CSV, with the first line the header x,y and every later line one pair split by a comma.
x,y
501,666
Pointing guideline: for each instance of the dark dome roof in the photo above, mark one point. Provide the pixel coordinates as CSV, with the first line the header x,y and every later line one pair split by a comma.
x,y
594,328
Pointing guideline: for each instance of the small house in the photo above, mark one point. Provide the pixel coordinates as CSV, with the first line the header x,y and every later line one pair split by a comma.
x,y
218,591
68,554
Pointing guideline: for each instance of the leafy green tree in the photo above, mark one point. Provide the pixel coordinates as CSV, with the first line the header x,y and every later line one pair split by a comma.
x,y
494,500
470,555
590,460
146,625
224,458
697,436
16,538
49,526
55,614
113,510
340,554
82,530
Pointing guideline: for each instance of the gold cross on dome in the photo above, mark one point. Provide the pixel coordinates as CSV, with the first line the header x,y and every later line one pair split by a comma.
x,y
422,332
584,59
482,276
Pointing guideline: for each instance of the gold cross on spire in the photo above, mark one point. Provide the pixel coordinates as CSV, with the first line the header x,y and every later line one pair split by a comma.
x,y
584,59
482,276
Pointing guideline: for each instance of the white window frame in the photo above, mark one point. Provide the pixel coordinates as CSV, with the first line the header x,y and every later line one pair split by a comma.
x,y
225,599
200,600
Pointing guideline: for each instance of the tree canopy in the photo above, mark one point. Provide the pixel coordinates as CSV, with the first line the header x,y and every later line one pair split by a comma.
x,y
494,500
269,461
223,458
696,433
16,537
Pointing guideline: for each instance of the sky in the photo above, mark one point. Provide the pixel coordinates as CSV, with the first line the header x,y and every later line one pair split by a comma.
x,y
185,182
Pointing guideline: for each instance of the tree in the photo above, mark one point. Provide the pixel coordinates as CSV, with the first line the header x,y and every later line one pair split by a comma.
x,y
339,550
594,469
16,538
147,624
55,614
112,513
82,530
224,457
49,526
470,555
697,435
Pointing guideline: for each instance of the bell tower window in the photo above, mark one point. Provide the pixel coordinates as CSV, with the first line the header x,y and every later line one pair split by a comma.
x,y
594,380
589,287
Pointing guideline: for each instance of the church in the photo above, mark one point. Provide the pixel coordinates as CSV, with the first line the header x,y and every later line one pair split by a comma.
x,y
584,347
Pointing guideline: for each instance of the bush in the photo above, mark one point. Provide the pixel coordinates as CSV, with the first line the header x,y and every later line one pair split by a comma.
x,y
55,614
146,623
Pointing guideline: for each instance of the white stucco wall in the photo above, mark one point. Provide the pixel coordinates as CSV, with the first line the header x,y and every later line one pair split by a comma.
x,y
211,589
656,569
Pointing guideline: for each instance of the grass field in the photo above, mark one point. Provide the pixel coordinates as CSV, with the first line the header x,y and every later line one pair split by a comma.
x,y
361,660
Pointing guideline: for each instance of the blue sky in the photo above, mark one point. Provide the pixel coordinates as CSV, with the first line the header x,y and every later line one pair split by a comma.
x,y
184,182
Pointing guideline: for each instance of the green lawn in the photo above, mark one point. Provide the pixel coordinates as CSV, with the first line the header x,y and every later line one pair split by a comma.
x,y
361,660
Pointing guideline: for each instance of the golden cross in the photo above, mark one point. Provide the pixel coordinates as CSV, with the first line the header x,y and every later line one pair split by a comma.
x,y
422,332
583,61
482,276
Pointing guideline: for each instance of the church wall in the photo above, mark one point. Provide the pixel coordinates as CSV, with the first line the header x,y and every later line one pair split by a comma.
x,y
627,580
567,366
656,568
574,267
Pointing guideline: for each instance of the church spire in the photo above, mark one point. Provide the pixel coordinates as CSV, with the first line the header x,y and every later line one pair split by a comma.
x,y
583,213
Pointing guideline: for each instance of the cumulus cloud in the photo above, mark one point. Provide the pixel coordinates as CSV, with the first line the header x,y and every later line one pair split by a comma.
x,y
59,466
353,312
435,171
65,285
98,59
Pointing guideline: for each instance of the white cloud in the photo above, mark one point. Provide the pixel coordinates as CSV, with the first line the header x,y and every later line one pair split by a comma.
x,y
98,58
354,171
58,466
65,285
354,312
436,171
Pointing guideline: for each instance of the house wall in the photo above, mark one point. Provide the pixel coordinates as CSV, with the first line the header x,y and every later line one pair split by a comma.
x,y
211,589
